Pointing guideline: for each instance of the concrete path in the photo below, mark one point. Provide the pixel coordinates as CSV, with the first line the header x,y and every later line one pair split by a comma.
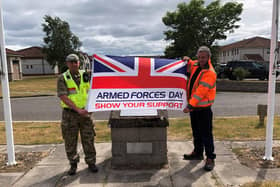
x,y
51,171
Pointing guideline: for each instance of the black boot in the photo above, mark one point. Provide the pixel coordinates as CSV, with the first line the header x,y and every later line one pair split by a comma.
x,y
73,169
209,164
92,168
193,156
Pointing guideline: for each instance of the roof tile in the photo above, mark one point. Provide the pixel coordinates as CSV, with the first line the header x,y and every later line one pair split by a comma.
x,y
32,52
248,43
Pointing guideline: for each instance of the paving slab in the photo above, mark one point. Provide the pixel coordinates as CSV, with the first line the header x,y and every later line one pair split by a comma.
x,y
7,179
52,170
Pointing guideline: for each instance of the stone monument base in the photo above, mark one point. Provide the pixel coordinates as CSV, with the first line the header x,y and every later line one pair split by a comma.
x,y
139,142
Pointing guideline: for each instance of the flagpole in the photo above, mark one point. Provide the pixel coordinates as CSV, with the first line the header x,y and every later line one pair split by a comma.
x,y
272,81
6,95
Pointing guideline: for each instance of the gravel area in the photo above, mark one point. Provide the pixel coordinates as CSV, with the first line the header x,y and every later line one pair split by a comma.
x,y
25,161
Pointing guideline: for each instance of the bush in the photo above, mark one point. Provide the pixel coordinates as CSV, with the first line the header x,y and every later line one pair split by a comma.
x,y
240,73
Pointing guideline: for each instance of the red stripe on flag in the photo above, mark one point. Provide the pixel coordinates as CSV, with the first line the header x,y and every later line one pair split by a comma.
x,y
169,66
109,64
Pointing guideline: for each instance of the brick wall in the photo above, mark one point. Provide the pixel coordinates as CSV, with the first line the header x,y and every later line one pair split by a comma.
x,y
139,142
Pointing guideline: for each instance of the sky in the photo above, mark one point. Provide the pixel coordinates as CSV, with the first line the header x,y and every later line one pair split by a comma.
x,y
117,27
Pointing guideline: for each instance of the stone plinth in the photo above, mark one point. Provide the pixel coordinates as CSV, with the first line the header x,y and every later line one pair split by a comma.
x,y
139,142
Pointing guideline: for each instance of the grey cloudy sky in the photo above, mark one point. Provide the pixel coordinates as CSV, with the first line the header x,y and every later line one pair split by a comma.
x,y
116,27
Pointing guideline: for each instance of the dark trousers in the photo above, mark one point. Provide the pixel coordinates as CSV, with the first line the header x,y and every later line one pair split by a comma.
x,y
201,122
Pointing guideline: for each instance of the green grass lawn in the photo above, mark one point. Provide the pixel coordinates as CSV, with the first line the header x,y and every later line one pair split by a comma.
x,y
33,86
241,128
179,130
262,184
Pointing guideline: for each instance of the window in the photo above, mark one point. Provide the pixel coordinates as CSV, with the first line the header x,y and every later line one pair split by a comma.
x,y
31,66
258,66
248,65
238,64
27,66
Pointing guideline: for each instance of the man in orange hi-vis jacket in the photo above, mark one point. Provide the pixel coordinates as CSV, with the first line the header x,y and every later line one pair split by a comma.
x,y
201,92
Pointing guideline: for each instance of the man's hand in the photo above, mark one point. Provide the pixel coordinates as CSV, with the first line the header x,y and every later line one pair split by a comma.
x,y
72,105
186,58
186,110
83,112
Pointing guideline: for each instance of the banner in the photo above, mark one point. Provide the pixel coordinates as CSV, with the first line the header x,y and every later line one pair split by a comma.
x,y
127,83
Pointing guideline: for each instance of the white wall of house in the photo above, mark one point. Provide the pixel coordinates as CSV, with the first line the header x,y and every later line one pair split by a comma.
x,y
226,56
266,53
245,51
36,67
56,71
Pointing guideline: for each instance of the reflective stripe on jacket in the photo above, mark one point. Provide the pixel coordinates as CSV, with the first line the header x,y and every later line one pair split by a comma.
x,y
204,88
77,94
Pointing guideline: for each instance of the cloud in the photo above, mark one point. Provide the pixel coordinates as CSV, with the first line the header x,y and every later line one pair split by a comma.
x,y
255,21
120,27
109,26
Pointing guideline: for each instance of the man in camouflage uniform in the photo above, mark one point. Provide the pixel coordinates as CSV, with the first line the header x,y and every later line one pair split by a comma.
x,y
72,87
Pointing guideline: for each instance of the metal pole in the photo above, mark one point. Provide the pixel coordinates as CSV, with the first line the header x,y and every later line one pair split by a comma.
x,y
272,80
6,95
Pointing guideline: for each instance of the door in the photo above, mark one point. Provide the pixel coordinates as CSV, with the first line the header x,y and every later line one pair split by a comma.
x,y
16,73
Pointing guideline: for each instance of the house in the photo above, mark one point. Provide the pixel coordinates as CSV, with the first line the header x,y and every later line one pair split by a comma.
x,y
34,62
256,48
14,64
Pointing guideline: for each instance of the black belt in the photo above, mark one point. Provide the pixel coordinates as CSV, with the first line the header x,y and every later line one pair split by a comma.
x,y
70,110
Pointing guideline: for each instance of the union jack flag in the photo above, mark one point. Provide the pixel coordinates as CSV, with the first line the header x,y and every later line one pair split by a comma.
x,y
115,73
133,72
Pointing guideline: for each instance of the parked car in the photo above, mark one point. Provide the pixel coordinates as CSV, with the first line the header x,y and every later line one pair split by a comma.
x,y
266,64
220,69
277,69
254,69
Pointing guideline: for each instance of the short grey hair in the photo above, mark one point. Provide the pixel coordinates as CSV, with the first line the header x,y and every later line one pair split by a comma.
x,y
204,49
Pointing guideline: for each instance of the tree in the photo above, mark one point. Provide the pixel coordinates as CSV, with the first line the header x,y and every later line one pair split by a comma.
x,y
193,25
59,41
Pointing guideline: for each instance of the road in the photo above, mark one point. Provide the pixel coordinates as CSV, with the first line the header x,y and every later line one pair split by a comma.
x,y
226,104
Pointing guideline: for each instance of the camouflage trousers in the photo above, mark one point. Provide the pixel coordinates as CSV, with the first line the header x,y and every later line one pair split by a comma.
x,y
73,123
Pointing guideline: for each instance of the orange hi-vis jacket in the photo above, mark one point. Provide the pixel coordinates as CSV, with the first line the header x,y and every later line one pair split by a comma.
x,y
204,88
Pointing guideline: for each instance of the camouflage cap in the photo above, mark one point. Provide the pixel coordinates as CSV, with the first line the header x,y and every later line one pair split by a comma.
x,y
72,58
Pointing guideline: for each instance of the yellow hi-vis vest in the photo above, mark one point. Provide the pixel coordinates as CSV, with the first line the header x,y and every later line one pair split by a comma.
x,y
78,95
